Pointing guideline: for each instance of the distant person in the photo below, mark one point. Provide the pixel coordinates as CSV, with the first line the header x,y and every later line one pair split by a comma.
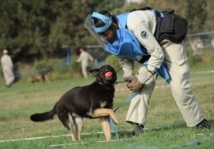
x,y
7,68
86,59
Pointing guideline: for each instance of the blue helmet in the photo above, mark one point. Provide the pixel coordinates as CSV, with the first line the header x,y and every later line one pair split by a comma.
x,y
105,19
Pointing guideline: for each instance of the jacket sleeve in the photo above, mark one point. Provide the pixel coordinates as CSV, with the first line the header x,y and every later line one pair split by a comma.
x,y
142,27
90,57
128,66
10,62
80,58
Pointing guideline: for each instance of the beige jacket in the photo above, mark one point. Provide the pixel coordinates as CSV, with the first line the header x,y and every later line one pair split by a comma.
x,y
85,58
139,22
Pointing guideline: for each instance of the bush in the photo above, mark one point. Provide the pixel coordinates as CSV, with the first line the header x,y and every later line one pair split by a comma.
x,y
193,60
114,62
41,66
63,71
57,69
207,57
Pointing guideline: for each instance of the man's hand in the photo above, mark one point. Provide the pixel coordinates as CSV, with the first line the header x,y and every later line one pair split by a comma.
x,y
128,78
134,84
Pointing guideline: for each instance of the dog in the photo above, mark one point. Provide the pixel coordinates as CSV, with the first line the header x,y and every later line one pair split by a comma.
x,y
90,101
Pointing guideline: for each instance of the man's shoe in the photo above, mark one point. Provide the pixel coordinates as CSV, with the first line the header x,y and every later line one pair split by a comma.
x,y
203,125
8,86
138,128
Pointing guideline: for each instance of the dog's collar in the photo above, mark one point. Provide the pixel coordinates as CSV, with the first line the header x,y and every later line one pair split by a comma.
x,y
103,84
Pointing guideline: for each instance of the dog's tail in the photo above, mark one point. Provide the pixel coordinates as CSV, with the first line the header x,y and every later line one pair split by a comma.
x,y
39,117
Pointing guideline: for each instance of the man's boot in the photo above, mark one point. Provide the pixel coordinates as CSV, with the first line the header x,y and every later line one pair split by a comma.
x,y
138,128
203,125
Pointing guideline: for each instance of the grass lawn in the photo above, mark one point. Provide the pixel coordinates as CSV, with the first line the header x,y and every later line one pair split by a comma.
x,y
165,127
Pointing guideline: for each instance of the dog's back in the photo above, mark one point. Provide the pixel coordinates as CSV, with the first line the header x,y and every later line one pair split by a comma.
x,y
84,100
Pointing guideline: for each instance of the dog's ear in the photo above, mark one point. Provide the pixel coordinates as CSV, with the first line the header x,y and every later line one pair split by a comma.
x,y
94,71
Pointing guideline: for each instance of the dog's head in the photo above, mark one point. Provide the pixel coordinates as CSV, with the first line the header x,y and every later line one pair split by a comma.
x,y
105,75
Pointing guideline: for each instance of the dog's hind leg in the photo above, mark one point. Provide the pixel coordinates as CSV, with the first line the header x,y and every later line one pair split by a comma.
x,y
78,121
67,120
71,123
105,112
106,127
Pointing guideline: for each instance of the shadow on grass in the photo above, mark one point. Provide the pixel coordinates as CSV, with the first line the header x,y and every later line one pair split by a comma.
x,y
176,126
171,127
123,134
127,134
211,122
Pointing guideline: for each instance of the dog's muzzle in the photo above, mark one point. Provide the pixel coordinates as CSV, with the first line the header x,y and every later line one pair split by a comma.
x,y
108,75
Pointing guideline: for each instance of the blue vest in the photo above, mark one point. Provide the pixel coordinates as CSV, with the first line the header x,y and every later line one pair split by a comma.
x,y
128,46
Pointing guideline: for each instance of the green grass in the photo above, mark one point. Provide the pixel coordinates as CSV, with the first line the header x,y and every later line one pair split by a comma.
x,y
165,127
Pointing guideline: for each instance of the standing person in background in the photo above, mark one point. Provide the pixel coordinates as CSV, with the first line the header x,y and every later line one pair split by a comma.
x,y
7,68
86,59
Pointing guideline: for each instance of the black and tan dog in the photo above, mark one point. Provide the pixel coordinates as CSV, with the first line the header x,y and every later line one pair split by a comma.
x,y
91,101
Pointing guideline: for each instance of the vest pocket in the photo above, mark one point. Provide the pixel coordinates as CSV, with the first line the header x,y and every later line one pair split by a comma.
x,y
171,27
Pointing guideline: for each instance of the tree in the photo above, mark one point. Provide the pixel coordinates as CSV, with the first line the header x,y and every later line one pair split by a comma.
x,y
39,29
194,11
196,14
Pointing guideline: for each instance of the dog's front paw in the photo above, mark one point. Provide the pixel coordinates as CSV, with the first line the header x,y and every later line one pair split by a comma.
x,y
116,121
75,138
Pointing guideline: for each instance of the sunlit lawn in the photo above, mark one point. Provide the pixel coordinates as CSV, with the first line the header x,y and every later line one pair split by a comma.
x,y
165,127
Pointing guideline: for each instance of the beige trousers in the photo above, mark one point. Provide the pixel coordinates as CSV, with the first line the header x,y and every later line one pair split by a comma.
x,y
8,75
178,67
85,71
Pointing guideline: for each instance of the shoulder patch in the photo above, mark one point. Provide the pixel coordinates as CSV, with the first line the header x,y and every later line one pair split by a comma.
x,y
144,34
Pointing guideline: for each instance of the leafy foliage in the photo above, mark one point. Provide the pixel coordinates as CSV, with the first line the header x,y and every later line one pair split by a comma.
x,y
39,29
196,13
113,61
